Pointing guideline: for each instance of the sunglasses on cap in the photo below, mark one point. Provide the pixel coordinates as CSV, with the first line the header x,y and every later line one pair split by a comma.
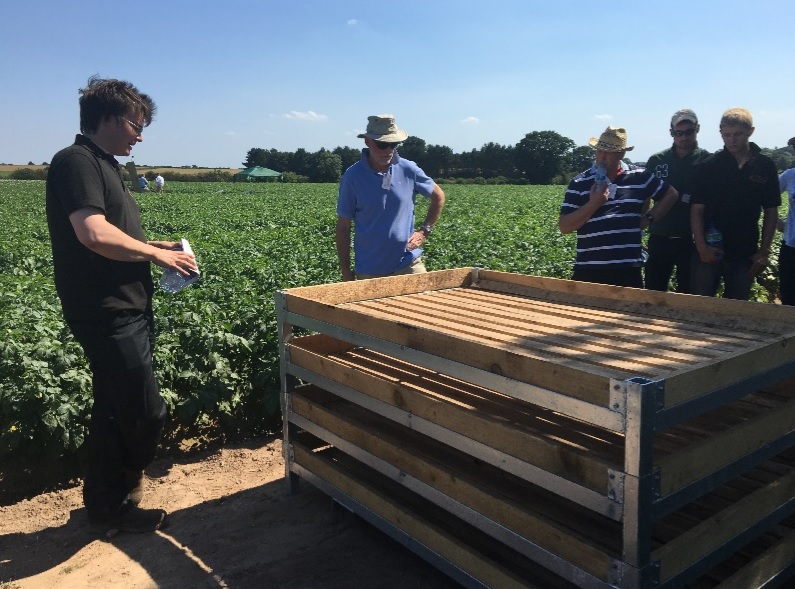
x,y
685,133
386,145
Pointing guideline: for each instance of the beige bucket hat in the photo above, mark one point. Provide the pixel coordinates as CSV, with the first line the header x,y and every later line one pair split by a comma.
x,y
383,128
613,139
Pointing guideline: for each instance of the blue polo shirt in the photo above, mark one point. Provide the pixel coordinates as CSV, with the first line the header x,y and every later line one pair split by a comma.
x,y
381,205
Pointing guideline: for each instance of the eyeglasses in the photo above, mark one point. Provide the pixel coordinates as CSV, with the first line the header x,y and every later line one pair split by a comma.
x,y
685,133
386,145
135,126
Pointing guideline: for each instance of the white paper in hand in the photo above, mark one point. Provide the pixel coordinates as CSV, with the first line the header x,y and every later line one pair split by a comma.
x,y
173,281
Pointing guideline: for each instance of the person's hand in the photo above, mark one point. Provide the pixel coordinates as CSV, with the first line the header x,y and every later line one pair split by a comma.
x,y
709,254
599,197
759,261
416,240
176,259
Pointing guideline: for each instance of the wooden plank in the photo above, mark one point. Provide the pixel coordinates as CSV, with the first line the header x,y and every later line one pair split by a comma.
x,y
512,362
758,317
584,458
589,347
732,368
463,479
452,547
716,531
359,290
657,333
765,567
721,450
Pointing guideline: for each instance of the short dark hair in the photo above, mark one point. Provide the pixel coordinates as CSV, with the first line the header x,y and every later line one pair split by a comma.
x,y
103,99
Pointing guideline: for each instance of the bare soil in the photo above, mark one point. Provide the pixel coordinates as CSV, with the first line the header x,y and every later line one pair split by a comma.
x,y
232,525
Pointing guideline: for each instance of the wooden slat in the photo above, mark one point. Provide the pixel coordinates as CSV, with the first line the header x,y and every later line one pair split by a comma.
x,y
570,449
589,348
740,315
360,290
451,546
469,482
720,450
714,532
658,333
765,567
512,362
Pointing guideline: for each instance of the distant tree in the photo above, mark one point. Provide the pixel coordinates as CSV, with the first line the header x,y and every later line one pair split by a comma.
x,y
256,156
579,159
300,162
414,149
325,167
541,155
783,157
348,156
496,160
438,161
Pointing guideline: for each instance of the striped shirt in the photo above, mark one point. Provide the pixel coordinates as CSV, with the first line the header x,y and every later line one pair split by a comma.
x,y
611,238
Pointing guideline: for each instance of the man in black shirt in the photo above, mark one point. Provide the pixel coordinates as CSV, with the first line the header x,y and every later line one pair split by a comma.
x,y
103,277
670,238
733,187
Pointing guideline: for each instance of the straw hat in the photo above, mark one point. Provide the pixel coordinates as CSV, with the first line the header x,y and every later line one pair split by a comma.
x,y
613,139
383,128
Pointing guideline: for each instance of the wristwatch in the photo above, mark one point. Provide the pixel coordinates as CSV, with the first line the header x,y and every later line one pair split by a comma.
x,y
427,228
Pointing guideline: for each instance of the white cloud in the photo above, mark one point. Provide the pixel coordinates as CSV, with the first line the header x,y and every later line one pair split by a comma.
x,y
470,121
230,133
353,22
604,117
309,115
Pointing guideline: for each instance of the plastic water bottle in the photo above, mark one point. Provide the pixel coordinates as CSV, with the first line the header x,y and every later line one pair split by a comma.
x,y
713,236
173,281
600,176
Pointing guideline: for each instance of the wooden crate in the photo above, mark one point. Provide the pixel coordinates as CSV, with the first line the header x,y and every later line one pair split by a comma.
x,y
617,437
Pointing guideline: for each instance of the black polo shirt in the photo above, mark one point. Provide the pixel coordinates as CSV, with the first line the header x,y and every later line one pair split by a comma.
x,y
735,197
92,287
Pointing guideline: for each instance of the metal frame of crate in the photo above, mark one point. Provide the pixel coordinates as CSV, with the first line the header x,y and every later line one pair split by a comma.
x,y
621,370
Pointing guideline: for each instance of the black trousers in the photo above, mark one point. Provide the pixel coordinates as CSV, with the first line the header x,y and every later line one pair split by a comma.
x,y
128,413
665,254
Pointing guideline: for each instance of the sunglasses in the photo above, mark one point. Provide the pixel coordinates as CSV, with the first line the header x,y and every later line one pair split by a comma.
x,y
685,133
386,145
135,126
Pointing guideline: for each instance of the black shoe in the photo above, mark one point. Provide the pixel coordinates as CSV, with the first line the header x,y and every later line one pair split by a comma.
x,y
130,518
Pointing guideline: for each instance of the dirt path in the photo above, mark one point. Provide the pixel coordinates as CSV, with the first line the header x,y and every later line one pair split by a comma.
x,y
232,526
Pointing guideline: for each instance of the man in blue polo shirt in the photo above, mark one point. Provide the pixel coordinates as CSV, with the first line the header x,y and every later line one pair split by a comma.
x,y
609,219
376,198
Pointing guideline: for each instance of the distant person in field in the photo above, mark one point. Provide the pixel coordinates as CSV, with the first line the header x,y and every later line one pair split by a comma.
x,y
670,239
734,187
103,277
159,183
143,184
376,199
786,255
609,219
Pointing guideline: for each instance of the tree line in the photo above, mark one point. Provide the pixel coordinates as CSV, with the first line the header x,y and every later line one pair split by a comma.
x,y
541,157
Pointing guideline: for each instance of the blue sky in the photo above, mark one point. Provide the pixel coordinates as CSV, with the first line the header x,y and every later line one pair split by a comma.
x,y
229,76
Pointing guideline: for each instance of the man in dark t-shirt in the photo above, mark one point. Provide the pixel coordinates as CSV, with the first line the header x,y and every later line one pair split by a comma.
x,y
733,187
103,278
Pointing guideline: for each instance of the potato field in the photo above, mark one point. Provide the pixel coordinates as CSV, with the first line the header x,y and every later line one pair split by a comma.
x,y
217,355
